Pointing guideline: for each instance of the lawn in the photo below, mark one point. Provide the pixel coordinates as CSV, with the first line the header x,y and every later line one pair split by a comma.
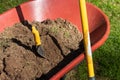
x,y
107,57
8,4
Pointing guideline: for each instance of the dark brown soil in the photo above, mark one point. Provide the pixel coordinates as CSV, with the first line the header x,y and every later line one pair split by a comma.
x,y
18,59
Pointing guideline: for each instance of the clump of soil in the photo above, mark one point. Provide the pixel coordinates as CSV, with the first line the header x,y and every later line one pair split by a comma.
x,y
18,59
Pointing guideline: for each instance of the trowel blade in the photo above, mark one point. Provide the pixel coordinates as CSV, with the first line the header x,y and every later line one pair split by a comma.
x,y
40,51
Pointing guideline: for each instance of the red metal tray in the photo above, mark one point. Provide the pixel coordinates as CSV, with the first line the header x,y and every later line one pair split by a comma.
x,y
40,10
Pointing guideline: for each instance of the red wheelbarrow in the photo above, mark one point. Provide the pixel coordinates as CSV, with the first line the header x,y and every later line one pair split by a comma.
x,y
40,10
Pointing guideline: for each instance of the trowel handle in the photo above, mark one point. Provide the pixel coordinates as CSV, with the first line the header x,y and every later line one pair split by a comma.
x,y
36,36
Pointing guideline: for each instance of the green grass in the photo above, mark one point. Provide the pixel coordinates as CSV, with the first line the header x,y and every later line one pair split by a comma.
x,y
8,4
107,58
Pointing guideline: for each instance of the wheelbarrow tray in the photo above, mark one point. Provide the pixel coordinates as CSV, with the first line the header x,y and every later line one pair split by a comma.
x,y
40,10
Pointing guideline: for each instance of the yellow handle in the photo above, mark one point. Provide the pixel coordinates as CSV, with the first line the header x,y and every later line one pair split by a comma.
x,y
86,36
36,36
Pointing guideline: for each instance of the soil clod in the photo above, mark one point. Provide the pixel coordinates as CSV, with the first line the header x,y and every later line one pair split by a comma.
x,y
18,59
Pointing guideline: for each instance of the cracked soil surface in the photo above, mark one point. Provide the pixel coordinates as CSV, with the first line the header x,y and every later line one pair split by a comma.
x,y
18,59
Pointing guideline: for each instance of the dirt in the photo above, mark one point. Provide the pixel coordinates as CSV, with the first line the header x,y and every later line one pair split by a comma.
x,y
18,58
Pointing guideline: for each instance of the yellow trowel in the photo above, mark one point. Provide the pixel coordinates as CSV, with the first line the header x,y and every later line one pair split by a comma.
x,y
37,38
